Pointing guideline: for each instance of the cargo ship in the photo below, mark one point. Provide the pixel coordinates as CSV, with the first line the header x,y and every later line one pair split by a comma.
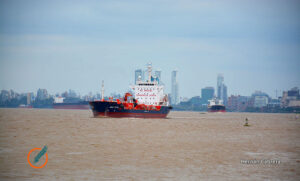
x,y
216,105
70,103
149,101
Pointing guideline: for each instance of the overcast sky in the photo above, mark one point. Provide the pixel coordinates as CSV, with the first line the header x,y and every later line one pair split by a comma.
x,y
59,45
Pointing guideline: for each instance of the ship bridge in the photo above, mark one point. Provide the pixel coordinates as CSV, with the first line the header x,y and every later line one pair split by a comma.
x,y
149,92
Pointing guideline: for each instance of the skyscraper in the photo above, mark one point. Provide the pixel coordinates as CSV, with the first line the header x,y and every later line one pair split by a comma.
x,y
221,89
29,98
207,93
42,94
157,74
174,95
225,98
138,73
220,81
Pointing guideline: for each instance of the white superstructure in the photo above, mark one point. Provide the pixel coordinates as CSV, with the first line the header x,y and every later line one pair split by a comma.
x,y
59,99
149,92
215,101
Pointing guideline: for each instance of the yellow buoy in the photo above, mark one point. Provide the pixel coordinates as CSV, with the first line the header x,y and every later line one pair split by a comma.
x,y
246,124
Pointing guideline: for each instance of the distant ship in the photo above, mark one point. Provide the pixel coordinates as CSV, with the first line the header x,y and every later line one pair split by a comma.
x,y
149,101
25,106
216,105
70,103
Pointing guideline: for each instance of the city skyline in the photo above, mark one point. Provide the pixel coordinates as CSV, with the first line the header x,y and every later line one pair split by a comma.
x,y
75,45
143,74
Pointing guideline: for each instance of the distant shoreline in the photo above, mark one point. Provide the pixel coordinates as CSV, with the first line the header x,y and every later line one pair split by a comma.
x,y
171,111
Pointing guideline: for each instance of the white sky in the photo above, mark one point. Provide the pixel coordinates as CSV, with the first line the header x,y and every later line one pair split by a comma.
x,y
61,45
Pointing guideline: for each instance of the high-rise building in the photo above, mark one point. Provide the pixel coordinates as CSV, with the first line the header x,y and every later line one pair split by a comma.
x,y
72,93
29,98
139,75
224,98
221,89
174,94
170,98
207,93
42,94
157,74
4,95
220,82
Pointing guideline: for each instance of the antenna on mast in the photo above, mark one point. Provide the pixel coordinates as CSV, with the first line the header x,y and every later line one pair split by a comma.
x,y
102,91
149,71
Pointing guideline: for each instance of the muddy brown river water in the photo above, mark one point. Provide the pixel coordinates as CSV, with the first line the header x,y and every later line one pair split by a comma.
x,y
186,146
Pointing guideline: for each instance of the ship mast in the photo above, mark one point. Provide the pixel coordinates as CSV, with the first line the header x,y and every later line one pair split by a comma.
x,y
149,71
102,91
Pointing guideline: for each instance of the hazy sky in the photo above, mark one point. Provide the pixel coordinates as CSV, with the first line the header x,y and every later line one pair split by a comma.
x,y
59,45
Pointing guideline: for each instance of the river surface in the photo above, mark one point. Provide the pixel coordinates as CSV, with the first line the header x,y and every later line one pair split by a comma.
x,y
185,146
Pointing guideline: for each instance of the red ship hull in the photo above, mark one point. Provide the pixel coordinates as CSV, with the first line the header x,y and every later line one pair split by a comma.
x,y
119,110
134,115
217,111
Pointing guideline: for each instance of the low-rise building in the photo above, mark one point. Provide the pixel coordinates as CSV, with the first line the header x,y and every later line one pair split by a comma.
x,y
260,99
238,103
290,98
